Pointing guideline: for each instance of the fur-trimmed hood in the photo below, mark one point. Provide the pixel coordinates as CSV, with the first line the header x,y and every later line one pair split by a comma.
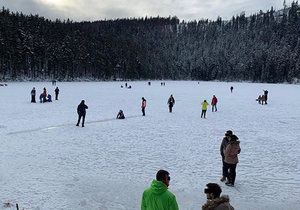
x,y
221,203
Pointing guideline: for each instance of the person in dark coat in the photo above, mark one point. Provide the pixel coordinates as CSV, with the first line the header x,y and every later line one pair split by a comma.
x,y
231,88
44,95
266,96
81,111
171,102
143,106
224,143
56,93
33,93
120,115
49,98
214,200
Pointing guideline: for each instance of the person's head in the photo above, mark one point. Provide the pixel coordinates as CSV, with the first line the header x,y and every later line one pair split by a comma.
x,y
163,176
121,111
228,133
204,100
82,101
233,138
143,98
212,191
214,96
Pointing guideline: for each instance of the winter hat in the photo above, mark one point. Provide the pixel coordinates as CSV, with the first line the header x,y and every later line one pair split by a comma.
x,y
228,133
213,188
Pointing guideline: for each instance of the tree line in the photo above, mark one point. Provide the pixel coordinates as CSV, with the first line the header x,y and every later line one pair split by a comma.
x,y
264,47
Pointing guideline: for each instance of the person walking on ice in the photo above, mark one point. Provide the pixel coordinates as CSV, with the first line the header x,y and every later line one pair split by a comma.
x,y
157,196
81,111
33,93
56,93
143,106
204,108
171,102
214,102
223,146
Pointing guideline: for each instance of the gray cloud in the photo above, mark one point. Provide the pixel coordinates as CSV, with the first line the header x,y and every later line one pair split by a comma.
x,y
100,9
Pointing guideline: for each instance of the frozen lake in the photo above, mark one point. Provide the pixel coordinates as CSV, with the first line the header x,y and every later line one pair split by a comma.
x,y
49,163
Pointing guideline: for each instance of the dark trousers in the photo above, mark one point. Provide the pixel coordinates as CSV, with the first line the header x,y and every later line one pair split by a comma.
x,y
143,110
224,168
79,118
203,113
230,172
33,99
56,96
214,107
170,108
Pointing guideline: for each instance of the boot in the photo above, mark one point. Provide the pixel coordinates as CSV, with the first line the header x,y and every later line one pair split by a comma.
x,y
223,179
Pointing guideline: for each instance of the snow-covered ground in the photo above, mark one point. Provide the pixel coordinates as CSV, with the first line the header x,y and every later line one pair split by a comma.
x,y
47,162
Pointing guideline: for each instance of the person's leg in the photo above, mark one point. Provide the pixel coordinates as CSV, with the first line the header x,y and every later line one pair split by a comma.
x,y
143,111
202,113
216,108
233,173
83,119
79,117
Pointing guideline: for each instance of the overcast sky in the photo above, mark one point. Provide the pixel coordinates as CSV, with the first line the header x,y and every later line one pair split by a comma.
x,y
79,10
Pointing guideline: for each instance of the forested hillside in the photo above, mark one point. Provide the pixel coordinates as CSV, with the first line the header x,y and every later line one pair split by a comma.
x,y
263,47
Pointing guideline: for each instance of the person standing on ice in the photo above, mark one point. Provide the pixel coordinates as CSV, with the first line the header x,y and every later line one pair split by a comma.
x,y
171,102
231,159
56,93
45,95
266,96
224,143
231,89
33,93
214,200
204,108
214,102
143,106
157,196
81,111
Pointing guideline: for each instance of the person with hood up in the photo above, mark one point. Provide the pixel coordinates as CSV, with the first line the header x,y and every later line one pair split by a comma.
x,y
214,102
56,93
81,111
157,196
231,159
214,200
204,108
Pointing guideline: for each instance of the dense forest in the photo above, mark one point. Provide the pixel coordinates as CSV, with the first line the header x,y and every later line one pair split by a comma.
x,y
264,47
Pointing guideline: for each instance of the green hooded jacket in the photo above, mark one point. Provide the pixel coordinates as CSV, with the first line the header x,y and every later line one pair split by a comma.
x,y
157,197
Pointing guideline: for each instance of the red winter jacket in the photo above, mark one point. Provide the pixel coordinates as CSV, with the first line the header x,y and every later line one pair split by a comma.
x,y
214,101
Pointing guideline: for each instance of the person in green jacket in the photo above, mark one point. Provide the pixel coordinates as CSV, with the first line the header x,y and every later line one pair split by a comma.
x,y
157,196
204,108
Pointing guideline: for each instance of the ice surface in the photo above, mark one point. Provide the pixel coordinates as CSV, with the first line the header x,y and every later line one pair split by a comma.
x,y
49,163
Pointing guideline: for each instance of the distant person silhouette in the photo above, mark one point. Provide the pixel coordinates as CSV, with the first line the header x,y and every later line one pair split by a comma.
x,y
81,111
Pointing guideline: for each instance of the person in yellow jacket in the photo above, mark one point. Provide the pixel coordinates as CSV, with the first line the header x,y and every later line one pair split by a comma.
x,y
204,108
157,196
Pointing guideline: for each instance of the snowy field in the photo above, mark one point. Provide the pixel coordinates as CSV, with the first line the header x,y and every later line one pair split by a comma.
x,y
47,163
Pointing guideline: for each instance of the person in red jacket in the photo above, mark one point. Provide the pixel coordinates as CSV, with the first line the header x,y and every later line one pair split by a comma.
x,y
214,102
143,105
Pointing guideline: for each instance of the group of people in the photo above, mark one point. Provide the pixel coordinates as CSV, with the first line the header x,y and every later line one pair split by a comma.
x,y
158,197
205,104
263,98
44,96
126,86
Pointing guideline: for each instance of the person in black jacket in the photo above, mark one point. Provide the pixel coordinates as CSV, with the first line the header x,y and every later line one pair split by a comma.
x,y
33,93
81,111
56,93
